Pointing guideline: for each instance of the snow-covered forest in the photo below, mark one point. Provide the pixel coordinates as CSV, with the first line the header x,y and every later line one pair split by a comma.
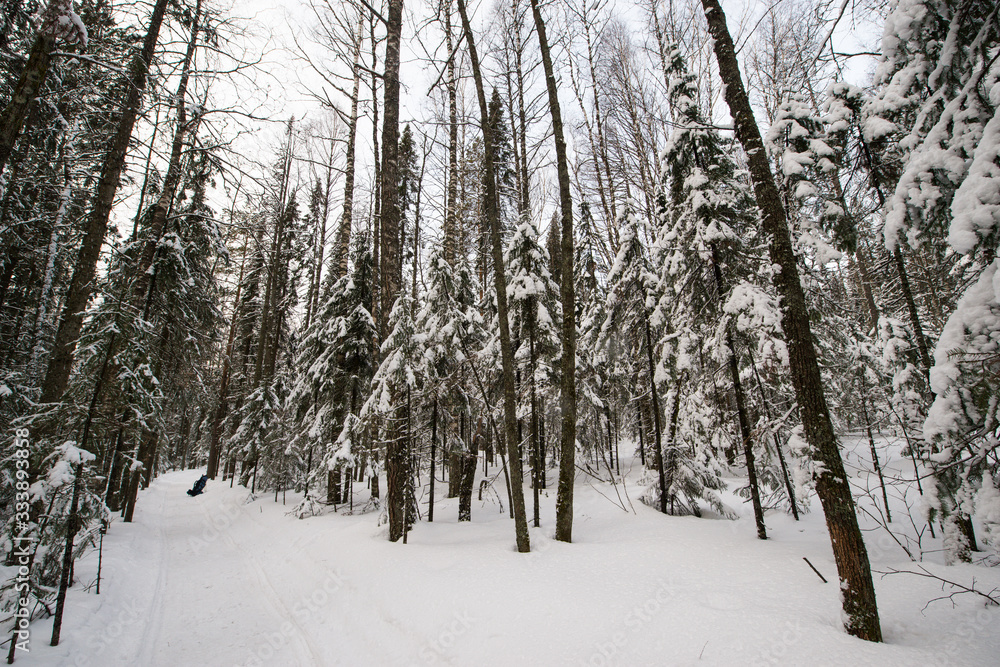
x,y
607,314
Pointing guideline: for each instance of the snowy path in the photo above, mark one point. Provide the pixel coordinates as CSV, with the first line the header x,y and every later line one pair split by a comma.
x,y
223,579
229,589
212,598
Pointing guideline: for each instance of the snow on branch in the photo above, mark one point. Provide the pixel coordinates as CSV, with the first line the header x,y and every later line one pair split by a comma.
x,y
59,20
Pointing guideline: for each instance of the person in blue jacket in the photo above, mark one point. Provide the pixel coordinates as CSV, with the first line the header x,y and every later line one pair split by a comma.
x,y
199,486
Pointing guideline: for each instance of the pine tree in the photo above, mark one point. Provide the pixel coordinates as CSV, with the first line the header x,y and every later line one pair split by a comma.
x,y
704,223
333,366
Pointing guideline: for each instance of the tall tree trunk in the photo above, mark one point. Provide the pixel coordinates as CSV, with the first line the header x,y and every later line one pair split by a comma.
x,y
567,389
741,403
500,288
468,476
344,233
657,431
376,216
81,284
25,91
536,464
396,465
524,202
72,526
42,315
911,309
434,424
451,197
856,588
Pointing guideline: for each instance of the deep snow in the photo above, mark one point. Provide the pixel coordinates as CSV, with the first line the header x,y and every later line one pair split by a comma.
x,y
223,579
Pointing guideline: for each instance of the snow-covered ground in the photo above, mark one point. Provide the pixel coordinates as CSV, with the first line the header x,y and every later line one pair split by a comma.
x,y
224,579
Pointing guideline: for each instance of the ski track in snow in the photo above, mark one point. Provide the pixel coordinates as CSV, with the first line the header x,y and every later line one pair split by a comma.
x,y
153,625
308,652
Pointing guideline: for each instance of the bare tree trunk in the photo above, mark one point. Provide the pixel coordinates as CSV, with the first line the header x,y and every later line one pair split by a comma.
x,y
536,464
741,405
72,526
25,91
135,475
451,199
112,495
468,476
434,424
911,309
567,400
524,200
866,286
500,287
857,591
344,234
657,430
81,284
396,465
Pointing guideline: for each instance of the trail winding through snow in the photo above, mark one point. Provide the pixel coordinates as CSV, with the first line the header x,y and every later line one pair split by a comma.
x,y
214,603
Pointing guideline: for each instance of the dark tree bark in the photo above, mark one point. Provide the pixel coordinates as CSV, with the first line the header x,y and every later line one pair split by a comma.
x,y
741,404
147,445
96,226
536,464
657,430
215,446
567,389
451,201
389,274
866,287
72,526
112,492
333,491
911,309
516,485
25,91
465,487
434,425
857,591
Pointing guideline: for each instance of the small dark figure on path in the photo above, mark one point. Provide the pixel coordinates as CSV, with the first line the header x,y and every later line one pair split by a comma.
x,y
199,486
